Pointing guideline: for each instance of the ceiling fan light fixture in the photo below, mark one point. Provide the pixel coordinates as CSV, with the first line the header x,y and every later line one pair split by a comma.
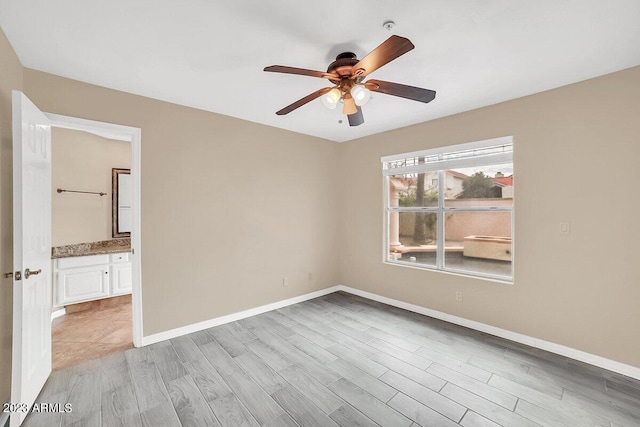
x,y
360,94
331,98
349,106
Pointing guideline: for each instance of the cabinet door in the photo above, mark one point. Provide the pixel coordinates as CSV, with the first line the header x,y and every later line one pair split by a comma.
x,y
121,278
82,284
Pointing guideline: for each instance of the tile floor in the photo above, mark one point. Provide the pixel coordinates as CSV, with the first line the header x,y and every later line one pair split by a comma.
x,y
91,330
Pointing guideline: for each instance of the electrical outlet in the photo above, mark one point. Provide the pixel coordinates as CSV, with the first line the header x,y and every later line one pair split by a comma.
x,y
310,276
459,296
285,281
565,227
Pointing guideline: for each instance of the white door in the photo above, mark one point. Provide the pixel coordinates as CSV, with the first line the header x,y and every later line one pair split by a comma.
x,y
31,358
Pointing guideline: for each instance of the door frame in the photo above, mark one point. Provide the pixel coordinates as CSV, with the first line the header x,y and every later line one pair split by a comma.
x,y
134,136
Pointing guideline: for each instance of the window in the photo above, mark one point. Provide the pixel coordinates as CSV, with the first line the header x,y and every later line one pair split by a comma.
x,y
451,208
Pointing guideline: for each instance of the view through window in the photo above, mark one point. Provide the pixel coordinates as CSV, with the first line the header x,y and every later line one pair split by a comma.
x,y
452,208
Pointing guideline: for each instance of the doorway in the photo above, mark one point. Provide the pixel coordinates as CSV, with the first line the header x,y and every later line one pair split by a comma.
x,y
91,260
32,250
122,307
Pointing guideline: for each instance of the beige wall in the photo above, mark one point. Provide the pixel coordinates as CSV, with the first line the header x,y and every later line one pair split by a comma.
x,y
10,79
214,241
83,161
579,290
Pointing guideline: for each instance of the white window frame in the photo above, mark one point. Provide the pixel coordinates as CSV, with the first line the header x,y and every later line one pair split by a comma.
x,y
441,159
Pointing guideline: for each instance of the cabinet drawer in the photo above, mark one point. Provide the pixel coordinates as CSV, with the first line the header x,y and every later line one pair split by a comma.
x,y
121,257
83,261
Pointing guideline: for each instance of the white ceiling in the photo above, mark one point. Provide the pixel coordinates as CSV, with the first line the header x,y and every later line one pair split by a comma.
x,y
210,54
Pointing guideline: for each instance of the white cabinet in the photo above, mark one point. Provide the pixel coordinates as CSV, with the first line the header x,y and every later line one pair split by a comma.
x,y
83,283
121,278
86,278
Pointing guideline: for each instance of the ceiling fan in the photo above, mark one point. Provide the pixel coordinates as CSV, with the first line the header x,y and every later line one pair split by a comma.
x,y
347,73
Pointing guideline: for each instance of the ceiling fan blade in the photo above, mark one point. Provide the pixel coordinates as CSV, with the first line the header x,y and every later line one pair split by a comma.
x,y
389,50
300,71
396,89
300,102
356,119
350,106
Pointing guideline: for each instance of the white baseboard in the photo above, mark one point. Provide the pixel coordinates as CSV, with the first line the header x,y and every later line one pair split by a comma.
x,y
55,315
592,359
173,333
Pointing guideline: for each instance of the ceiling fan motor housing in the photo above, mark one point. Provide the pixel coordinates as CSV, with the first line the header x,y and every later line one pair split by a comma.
x,y
343,66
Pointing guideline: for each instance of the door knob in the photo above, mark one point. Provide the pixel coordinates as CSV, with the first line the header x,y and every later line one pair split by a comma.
x,y
28,273
17,275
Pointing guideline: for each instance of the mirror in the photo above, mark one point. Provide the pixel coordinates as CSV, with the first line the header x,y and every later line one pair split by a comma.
x,y
122,197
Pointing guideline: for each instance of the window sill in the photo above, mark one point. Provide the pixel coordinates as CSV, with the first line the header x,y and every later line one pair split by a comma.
x,y
480,276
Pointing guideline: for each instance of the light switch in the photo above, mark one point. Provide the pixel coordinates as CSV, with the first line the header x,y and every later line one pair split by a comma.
x,y
565,227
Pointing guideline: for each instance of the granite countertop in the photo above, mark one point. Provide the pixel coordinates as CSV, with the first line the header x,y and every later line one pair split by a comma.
x,y
91,248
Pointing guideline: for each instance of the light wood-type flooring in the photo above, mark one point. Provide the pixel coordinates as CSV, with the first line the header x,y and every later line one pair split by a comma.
x,y
91,330
339,360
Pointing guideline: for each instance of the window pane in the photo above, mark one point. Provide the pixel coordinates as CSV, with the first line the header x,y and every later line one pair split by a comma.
x,y
478,152
479,186
413,190
479,242
413,236
409,161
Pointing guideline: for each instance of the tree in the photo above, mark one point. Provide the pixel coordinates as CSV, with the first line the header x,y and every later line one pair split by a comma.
x,y
423,226
477,186
419,229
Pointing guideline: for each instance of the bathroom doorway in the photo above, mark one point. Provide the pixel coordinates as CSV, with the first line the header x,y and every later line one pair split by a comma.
x,y
96,298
